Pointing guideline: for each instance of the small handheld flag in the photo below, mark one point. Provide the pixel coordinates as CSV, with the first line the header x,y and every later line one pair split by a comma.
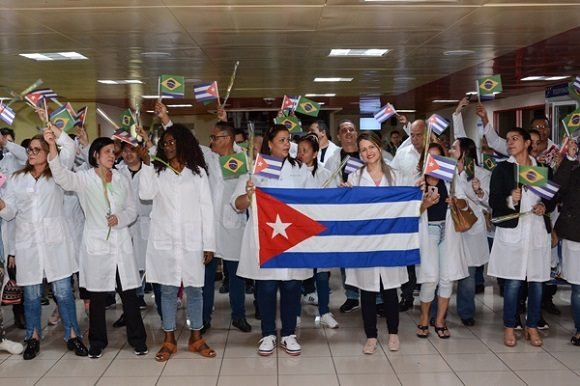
x,y
386,112
547,192
63,119
268,166
291,122
489,162
124,136
489,85
440,167
7,114
352,165
469,167
171,86
234,165
307,107
438,124
36,97
205,92
81,116
533,175
289,103
572,120
127,119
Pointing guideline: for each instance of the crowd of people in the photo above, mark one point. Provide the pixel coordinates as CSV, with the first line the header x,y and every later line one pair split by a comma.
x,y
117,216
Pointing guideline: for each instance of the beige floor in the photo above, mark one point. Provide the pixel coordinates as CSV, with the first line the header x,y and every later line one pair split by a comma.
x,y
473,356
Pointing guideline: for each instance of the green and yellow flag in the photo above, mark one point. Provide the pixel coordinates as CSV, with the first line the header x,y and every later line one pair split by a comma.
x,y
291,122
572,120
489,162
234,165
308,107
533,175
469,166
127,119
171,86
63,119
489,85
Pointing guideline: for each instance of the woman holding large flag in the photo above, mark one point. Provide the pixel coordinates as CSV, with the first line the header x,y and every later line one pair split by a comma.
x,y
182,237
42,239
292,175
521,248
383,280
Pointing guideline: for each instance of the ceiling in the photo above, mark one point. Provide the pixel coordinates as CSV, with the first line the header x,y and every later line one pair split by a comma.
x,y
282,45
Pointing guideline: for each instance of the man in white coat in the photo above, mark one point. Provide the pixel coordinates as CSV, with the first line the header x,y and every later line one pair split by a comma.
x,y
327,147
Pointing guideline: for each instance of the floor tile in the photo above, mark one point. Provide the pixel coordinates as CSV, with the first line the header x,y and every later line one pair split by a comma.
x,y
368,379
247,380
531,361
244,366
308,379
431,379
419,364
487,378
550,377
305,365
147,367
127,381
368,364
200,380
475,362
70,380
77,368
19,368
569,359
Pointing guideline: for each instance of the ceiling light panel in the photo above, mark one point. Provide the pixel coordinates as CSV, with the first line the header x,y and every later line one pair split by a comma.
x,y
333,79
51,56
358,52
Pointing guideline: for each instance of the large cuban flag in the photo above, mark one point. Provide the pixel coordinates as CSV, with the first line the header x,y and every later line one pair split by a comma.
x,y
339,227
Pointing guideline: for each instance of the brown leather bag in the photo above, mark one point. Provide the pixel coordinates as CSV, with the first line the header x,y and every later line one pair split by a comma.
x,y
463,219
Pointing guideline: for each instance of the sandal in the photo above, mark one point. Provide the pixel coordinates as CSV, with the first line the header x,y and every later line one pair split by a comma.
x,y
422,331
442,332
202,348
370,346
165,352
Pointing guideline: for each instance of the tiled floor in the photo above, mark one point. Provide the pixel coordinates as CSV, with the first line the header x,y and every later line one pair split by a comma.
x,y
473,356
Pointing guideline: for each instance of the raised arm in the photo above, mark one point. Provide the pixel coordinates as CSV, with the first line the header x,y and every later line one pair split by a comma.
x,y
67,179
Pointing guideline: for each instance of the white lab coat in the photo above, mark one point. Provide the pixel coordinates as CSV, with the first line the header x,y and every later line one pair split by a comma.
x,y
182,225
291,177
523,251
571,261
330,151
369,279
100,258
429,271
475,239
139,229
405,163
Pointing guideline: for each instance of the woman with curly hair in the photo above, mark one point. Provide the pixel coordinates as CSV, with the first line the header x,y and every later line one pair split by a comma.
x,y
182,237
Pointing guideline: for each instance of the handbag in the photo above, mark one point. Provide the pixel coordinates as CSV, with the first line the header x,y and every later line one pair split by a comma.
x,y
463,219
12,294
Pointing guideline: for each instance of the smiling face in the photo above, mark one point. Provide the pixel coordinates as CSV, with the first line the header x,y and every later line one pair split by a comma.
x,y
370,152
130,156
280,144
106,156
36,153
543,128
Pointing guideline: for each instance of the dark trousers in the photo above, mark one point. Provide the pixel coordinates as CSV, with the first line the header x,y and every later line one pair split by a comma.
x,y
369,311
136,335
209,289
408,288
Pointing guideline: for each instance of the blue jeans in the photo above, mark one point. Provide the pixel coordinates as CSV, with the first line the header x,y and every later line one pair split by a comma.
x,y
290,293
350,291
63,292
209,289
169,306
237,290
575,300
323,291
466,295
511,298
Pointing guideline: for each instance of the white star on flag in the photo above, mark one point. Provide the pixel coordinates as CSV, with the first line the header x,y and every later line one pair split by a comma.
x,y
279,227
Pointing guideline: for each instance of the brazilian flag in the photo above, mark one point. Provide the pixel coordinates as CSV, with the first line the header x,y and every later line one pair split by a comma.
x,y
573,91
234,165
127,119
469,167
489,163
172,86
572,120
533,175
63,119
490,85
307,107
291,122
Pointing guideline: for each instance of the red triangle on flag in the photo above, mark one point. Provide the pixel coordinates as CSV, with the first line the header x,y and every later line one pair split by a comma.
x,y
432,164
260,164
280,227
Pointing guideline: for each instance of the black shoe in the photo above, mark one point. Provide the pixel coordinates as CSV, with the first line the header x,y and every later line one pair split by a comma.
x,y
141,350
349,306
148,288
381,310
78,346
249,288
518,326
432,322
120,322
551,308
44,301
468,322
206,326
543,325
242,325
95,352
142,304
479,289
405,305
31,350
224,288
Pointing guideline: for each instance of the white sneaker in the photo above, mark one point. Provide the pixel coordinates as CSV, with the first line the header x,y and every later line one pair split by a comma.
x,y
311,298
291,345
11,347
328,320
267,345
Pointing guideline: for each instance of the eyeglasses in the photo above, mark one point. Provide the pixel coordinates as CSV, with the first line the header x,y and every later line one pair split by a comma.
x,y
168,143
33,150
538,127
214,137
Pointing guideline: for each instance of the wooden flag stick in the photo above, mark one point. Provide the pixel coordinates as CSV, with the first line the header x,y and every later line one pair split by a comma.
x,y
24,92
251,140
231,85
426,150
106,118
335,173
477,89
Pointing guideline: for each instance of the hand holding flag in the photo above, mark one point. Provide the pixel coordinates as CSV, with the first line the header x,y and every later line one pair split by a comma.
x,y
440,167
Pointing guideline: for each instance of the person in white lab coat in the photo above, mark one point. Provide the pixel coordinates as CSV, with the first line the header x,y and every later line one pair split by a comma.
x,y
293,175
106,259
42,243
383,280
521,248
182,237
327,147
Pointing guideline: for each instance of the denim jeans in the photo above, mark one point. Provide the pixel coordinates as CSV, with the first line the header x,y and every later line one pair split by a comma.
x,y
575,300
62,290
290,292
237,291
169,306
466,295
209,289
350,291
511,299
323,291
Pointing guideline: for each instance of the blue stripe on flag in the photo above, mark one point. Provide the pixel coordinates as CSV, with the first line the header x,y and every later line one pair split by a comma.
x,y
370,227
354,195
345,259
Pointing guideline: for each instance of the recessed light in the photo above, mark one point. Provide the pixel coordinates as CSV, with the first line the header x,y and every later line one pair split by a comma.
x,y
403,78
458,52
150,96
150,111
544,77
329,95
333,79
559,77
50,56
358,52
532,78
155,54
445,101
181,105
126,81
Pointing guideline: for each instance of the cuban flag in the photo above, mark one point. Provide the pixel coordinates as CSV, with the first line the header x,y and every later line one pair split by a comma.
x,y
36,97
385,113
440,167
352,165
437,123
289,103
268,166
547,192
577,84
338,227
124,136
206,91
7,114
